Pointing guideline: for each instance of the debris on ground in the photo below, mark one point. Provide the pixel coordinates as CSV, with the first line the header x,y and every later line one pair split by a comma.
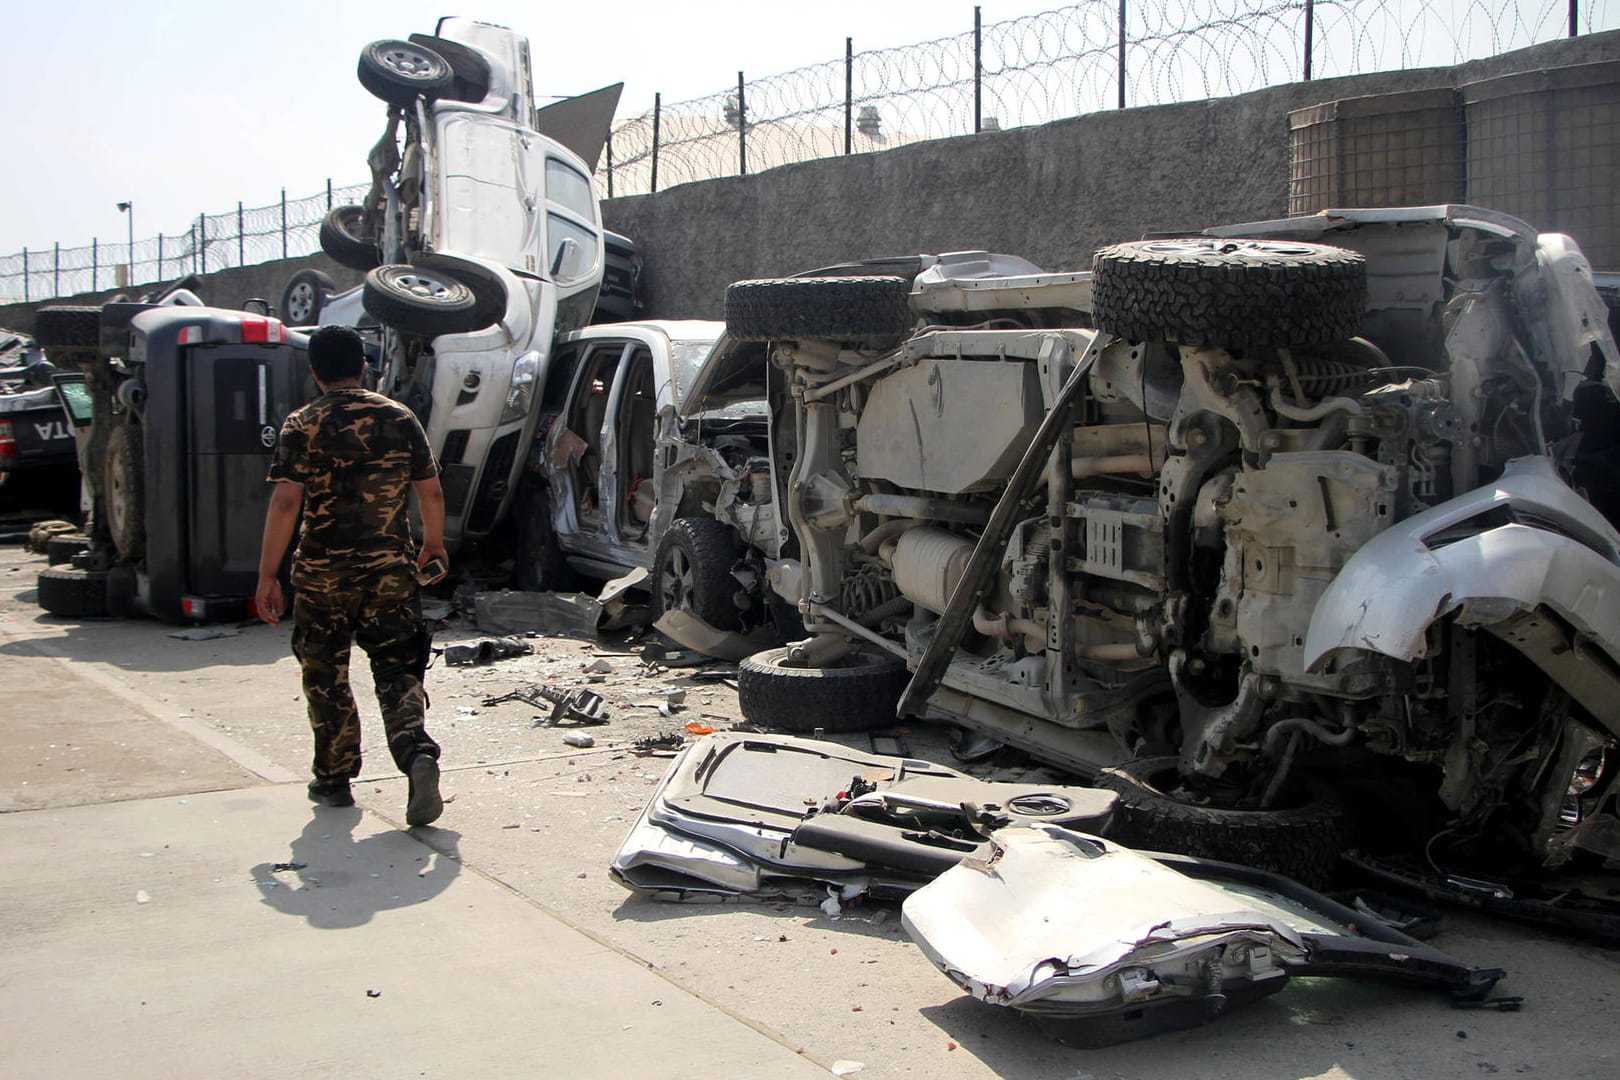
x,y
666,741
485,651
1154,943
511,611
579,739
205,633
563,705
820,812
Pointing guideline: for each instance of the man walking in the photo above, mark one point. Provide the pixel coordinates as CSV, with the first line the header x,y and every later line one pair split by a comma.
x,y
350,459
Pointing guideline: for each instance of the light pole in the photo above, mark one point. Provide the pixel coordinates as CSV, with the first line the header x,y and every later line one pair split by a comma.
x,y
129,273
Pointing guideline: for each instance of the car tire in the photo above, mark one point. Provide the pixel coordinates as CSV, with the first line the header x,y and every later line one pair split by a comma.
x,y
418,300
75,593
541,565
68,327
61,548
865,312
1230,294
124,490
399,72
1301,841
306,293
858,693
692,572
342,241
487,287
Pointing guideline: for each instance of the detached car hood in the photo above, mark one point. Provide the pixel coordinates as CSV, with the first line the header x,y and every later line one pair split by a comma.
x,y
1100,944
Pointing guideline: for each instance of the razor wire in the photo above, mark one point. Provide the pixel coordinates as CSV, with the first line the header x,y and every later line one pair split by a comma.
x,y
242,236
1073,60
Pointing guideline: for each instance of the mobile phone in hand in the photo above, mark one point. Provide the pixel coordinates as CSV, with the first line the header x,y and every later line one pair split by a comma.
x,y
431,571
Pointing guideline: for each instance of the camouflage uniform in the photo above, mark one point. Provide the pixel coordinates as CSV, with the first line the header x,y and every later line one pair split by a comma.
x,y
356,453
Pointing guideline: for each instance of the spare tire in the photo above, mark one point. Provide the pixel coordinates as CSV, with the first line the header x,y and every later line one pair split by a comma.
x,y
865,312
421,301
858,693
343,242
124,490
399,72
1231,294
306,293
62,547
75,593
68,326
1301,840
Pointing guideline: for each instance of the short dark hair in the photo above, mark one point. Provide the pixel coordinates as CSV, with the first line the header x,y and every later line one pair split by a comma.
x,y
336,353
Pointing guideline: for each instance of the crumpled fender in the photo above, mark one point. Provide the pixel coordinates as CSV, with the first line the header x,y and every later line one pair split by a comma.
x,y
1392,590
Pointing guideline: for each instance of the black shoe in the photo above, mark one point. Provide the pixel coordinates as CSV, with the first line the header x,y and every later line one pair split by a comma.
x,y
424,805
331,792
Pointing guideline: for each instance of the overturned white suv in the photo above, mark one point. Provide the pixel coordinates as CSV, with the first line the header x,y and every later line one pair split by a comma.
x,y
1297,533
482,239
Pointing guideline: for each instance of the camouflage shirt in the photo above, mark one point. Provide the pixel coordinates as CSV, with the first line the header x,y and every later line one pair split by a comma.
x,y
356,453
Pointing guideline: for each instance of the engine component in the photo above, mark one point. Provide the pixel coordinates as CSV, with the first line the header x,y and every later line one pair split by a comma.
x,y
913,413
927,565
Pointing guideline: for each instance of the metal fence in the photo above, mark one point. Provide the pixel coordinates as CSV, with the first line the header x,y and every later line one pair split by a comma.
x,y
1087,57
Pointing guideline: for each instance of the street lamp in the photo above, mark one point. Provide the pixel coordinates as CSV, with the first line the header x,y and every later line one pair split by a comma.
x,y
129,273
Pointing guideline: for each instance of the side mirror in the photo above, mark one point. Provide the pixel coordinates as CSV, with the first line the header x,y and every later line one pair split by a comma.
x,y
566,262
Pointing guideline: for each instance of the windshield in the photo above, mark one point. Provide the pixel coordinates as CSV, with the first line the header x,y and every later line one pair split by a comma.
x,y
686,359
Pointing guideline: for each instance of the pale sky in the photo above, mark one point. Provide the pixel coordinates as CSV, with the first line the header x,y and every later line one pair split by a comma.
x,y
187,106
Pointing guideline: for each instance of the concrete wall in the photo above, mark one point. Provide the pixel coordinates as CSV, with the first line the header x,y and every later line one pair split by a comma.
x,y
1052,194
223,288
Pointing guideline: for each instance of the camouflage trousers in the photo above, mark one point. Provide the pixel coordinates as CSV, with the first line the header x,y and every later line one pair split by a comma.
x,y
383,613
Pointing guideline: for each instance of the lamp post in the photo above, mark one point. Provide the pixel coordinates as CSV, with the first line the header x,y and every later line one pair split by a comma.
x,y
129,273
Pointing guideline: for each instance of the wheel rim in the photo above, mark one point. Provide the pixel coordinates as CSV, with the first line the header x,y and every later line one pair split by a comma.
x,y
675,582
300,302
423,287
408,63
118,495
1250,249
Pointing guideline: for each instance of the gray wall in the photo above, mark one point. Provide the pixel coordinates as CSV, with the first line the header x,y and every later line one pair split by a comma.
x,y
1052,194
223,288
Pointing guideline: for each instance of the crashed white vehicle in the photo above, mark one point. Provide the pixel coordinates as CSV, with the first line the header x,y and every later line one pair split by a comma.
x,y
1281,520
482,239
619,482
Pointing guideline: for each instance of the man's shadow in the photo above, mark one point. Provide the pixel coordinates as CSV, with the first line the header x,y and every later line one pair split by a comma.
x,y
336,882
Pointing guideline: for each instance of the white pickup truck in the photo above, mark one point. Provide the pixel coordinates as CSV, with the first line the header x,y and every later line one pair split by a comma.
x,y
482,240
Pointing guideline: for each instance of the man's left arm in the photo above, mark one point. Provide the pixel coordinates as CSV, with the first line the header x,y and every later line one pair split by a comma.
x,y
430,503
280,518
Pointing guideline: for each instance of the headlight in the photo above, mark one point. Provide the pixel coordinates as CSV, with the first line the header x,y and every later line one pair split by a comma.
x,y
519,397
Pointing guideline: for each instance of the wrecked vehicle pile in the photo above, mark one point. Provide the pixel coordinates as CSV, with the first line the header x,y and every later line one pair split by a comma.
x,y
1298,534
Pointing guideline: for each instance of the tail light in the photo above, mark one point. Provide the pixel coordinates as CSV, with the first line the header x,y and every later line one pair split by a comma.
x,y
8,443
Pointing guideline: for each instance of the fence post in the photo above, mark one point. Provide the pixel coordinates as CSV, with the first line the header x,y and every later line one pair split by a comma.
x,y
1574,18
160,257
56,271
610,162
241,243
742,129
1122,53
95,264
329,193
1310,34
283,223
849,95
25,275
978,71
202,240
658,110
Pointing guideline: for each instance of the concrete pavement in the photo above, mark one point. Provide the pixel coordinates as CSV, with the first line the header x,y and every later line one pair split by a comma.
x,y
169,913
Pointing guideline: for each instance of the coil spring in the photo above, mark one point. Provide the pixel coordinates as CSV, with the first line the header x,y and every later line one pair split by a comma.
x,y
1320,377
865,590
